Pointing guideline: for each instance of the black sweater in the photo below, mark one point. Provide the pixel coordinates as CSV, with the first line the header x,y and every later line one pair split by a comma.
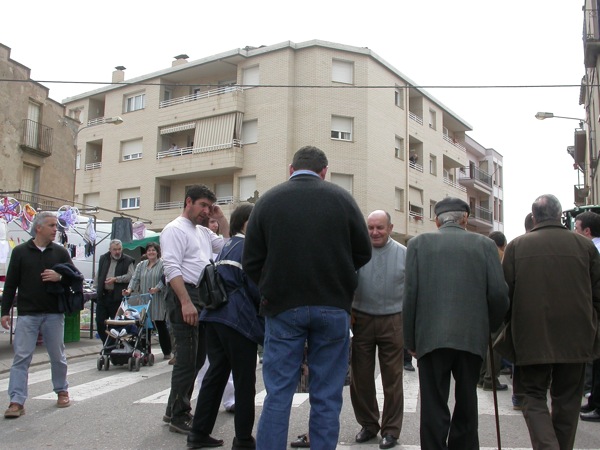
x,y
25,269
305,240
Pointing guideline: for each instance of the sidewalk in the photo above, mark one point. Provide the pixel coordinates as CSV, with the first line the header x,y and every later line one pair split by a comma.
x,y
84,347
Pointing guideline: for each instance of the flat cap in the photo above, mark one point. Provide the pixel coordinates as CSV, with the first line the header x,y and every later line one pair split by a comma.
x,y
451,204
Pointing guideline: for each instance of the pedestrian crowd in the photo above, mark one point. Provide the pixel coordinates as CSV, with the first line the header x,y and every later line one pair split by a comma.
x,y
309,279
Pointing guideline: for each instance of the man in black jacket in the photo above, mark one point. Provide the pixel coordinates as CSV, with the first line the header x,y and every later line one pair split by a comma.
x,y
114,272
305,240
30,271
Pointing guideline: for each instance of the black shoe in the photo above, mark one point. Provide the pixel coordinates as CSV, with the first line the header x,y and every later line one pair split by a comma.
x,y
499,387
183,426
592,416
243,443
365,435
198,441
409,367
388,441
167,417
301,442
586,408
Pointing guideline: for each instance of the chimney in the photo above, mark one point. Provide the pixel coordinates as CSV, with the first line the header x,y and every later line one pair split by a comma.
x,y
180,59
118,75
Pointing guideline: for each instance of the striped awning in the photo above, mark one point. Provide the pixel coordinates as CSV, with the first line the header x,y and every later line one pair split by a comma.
x,y
176,128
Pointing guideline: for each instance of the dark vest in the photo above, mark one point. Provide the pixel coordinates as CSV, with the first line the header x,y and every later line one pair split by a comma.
x,y
121,269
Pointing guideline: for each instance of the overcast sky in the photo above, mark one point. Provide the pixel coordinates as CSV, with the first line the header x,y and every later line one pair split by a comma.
x,y
434,43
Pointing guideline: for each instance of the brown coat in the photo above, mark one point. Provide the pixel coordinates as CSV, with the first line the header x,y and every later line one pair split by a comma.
x,y
553,277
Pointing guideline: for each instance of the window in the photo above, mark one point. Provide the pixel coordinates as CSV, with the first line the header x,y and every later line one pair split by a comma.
x,y
167,95
399,96
224,193
247,188
78,161
432,119
131,149
432,209
341,128
432,164
250,76
415,204
399,200
75,114
30,178
343,180
91,199
399,148
135,102
250,132
342,71
129,198
500,211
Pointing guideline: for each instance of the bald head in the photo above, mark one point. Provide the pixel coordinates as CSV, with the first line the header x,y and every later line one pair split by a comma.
x,y
380,227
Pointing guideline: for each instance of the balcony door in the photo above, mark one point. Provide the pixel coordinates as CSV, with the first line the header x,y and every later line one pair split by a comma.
x,y
33,133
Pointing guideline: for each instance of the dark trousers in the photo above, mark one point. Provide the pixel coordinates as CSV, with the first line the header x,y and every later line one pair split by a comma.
x,y
552,429
164,337
485,374
438,430
228,352
594,400
106,308
190,346
381,335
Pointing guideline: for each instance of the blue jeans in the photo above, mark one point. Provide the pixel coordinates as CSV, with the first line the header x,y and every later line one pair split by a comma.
x,y
26,334
326,329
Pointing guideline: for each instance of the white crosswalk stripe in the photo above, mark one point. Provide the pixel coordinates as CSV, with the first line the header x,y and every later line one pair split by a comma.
x,y
45,375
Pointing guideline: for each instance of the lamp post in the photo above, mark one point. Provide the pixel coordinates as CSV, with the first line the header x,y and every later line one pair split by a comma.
x,y
549,115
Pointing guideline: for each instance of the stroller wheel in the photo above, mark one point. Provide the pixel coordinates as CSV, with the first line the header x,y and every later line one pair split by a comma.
x,y
100,362
138,363
130,364
106,362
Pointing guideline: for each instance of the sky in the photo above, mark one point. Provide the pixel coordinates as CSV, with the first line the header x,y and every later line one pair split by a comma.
x,y
458,43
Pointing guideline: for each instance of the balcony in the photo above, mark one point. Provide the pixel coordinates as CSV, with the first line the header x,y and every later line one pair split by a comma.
x,y
93,166
415,166
591,37
37,138
475,178
216,159
415,118
581,193
454,184
35,201
224,100
481,217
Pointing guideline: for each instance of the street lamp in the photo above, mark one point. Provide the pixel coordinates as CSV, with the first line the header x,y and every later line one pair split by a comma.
x,y
549,115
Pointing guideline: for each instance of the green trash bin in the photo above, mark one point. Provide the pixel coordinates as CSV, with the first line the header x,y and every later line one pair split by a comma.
x,y
72,333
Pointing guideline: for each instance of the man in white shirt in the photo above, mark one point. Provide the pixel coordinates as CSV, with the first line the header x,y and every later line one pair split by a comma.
x,y
187,247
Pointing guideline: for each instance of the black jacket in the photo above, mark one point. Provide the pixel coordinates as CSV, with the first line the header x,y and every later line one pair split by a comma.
x,y
122,267
69,290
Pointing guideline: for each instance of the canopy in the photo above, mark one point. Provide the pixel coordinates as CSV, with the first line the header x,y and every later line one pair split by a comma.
x,y
141,242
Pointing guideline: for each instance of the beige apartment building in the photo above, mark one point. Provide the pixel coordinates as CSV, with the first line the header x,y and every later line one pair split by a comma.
x,y
233,120
36,140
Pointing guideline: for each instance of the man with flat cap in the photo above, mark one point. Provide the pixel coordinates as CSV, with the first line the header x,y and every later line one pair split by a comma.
x,y
454,294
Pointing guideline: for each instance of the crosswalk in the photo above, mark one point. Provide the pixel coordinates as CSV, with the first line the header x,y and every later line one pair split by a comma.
x,y
120,378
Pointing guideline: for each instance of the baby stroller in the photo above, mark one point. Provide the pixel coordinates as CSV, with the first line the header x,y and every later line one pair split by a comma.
x,y
129,335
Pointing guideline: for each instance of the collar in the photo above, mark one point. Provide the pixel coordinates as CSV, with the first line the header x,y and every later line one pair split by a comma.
x,y
304,172
548,223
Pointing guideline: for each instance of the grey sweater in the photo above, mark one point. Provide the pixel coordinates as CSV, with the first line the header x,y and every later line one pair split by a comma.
x,y
380,288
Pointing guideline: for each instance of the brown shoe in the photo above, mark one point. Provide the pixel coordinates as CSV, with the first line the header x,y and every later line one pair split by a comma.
x,y
63,400
172,361
14,410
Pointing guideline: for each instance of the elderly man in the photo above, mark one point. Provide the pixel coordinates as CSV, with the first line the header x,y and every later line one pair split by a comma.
x,y
553,277
454,295
30,271
115,270
377,327
305,240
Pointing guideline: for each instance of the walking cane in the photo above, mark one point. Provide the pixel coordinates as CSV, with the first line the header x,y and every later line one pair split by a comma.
x,y
491,357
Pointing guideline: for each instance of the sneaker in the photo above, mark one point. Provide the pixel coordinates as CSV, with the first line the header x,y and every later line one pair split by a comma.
x,y
63,400
167,417
114,333
409,367
181,426
14,410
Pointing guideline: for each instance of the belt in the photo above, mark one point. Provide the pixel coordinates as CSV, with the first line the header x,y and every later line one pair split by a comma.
x,y
191,285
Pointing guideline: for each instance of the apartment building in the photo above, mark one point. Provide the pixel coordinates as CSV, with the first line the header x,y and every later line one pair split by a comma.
x,y
36,140
585,146
233,121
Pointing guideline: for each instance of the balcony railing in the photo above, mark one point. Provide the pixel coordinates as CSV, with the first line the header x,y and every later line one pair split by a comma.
x,y
35,201
454,184
198,96
482,214
93,166
196,150
591,37
225,200
96,121
473,173
415,166
416,118
454,142
37,138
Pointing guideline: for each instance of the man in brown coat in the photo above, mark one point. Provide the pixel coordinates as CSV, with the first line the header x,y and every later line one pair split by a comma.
x,y
553,277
